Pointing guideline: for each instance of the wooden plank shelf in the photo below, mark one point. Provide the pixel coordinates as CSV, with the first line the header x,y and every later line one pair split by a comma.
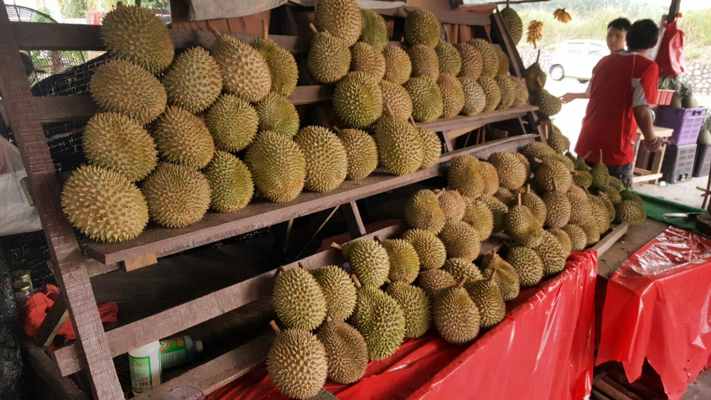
x,y
477,121
161,242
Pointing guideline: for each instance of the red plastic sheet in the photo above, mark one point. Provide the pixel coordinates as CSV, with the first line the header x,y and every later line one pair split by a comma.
x,y
542,350
663,316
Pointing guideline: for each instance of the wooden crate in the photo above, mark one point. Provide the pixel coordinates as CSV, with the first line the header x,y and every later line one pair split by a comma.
x,y
73,265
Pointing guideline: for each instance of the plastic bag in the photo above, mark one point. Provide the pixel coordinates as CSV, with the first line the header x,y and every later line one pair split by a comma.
x,y
17,213
670,57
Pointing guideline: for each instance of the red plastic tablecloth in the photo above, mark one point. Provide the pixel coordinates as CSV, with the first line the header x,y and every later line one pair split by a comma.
x,y
658,307
542,350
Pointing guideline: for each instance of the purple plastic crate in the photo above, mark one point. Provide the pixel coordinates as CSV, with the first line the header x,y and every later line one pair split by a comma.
x,y
686,122
678,164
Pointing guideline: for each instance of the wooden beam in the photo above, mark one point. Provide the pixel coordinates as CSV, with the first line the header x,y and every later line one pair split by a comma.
x,y
45,189
46,370
197,311
445,17
215,373
354,221
610,239
462,122
214,227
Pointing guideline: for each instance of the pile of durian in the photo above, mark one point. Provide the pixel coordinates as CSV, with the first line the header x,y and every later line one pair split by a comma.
x,y
179,133
539,199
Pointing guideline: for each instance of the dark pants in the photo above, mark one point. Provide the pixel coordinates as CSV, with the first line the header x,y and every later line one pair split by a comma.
x,y
623,172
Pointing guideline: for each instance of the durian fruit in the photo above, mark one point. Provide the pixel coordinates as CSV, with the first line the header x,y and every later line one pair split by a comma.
x,y
464,176
487,296
537,206
630,195
503,62
490,177
472,61
582,178
183,138
119,143
559,209
427,102
366,58
534,76
136,34
194,80
552,175
432,281
592,231
346,351
557,140
431,147
177,196
398,67
338,291
122,87
245,72
511,171
450,62
232,122
525,163
404,261
460,240
527,264
512,22
358,100
452,95
537,150
103,205
498,210
520,223
399,146
329,58
631,212
578,239
490,59
462,270
580,207
374,30
278,166
282,66
522,96
491,92
369,261
505,196
230,182
611,212
422,27
298,300
551,253
474,96
415,304
479,216
381,320
326,159
276,113
600,175
361,151
422,211
396,100
341,18
430,250
547,104
453,205
297,363
615,183
424,61
612,194
601,214
564,240
455,315
508,91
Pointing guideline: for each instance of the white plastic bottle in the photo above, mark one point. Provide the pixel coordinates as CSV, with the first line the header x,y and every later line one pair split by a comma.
x,y
145,368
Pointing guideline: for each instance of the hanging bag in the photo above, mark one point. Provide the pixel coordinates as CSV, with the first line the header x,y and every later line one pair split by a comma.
x,y
670,57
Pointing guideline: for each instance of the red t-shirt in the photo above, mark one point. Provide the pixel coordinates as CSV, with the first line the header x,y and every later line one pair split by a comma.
x,y
620,82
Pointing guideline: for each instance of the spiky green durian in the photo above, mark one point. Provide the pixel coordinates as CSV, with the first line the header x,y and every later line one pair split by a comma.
x,y
282,66
278,166
326,159
245,72
232,122
177,196
398,66
358,100
342,18
361,151
230,182
182,138
276,113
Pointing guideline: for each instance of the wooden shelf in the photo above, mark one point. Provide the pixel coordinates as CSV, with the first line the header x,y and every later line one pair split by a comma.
x,y
159,242
476,121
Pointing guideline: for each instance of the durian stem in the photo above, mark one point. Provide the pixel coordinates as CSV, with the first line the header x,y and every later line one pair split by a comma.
x,y
313,27
356,281
412,119
519,199
265,30
274,326
389,110
336,246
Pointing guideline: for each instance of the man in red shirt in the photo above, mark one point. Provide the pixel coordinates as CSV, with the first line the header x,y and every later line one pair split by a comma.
x,y
622,88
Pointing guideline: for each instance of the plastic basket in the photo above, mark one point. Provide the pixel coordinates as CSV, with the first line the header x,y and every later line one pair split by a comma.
x,y
686,123
678,164
664,97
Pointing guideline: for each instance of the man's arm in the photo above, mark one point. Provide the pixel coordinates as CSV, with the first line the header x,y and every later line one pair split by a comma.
x,y
643,115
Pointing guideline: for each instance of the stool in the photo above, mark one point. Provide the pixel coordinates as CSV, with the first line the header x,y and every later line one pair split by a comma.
x,y
654,173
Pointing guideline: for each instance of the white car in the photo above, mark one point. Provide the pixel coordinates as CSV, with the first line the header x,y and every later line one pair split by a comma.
x,y
576,59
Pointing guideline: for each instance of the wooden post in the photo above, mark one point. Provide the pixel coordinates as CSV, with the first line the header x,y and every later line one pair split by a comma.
x,y
64,249
354,221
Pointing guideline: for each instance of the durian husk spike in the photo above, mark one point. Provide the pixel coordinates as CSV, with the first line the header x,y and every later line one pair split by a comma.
x,y
274,326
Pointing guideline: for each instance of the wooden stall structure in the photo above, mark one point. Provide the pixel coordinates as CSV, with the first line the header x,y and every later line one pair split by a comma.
x,y
79,265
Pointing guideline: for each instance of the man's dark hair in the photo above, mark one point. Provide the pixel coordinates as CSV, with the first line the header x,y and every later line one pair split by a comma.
x,y
621,24
643,35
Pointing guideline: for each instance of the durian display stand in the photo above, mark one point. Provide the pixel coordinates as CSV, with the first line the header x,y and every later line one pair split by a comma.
x,y
78,269
657,307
